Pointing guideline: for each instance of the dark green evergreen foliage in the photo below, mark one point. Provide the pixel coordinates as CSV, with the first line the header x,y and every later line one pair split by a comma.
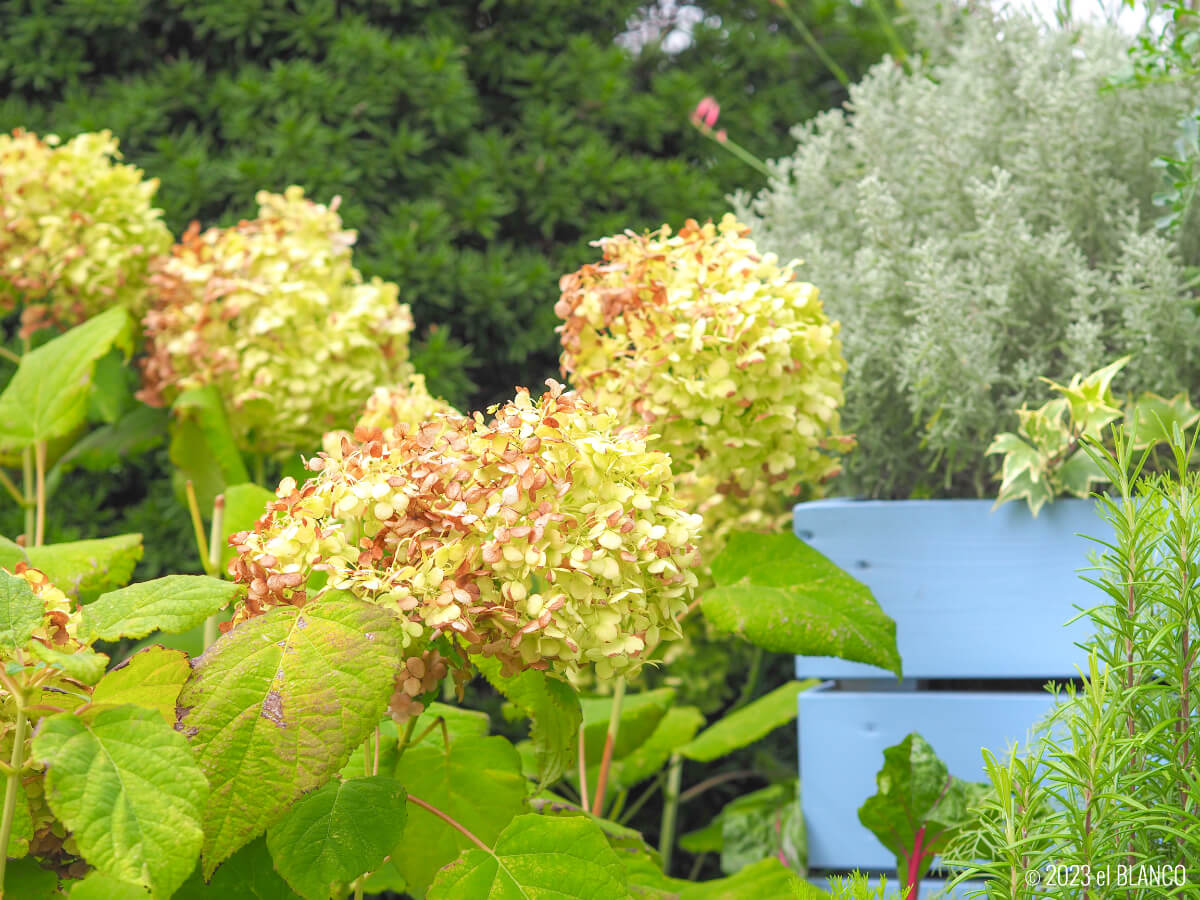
x,y
477,146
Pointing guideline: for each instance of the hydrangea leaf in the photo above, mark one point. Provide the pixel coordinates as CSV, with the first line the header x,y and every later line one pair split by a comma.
x,y
477,781
538,857
173,603
84,664
83,570
554,711
247,875
780,594
26,879
202,445
244,505
746,725
22,827
275,707
151,678
640,715
47,395
769,878
335,834
139,430
98,886
128,787
20,612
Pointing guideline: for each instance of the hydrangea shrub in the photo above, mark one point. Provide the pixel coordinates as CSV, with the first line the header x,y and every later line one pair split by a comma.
x,y
548,538
727,358
273,313
77,229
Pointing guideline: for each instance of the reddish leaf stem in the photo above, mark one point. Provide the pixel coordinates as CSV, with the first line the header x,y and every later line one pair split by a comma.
x,y
461,829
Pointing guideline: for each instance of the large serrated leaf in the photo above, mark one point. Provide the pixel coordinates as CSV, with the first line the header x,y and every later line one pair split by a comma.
x,y
126,784
151,678
478,782
20,613
780,594
334,835
84,665
553,708
83,570
537,858
47,396
174,604
247,875
202,445
274,708
744,726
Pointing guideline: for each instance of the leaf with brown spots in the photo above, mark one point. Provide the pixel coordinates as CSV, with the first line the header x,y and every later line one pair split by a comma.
x,y
275,707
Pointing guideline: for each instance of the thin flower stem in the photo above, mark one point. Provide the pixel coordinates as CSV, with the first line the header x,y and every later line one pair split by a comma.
x,y
39,457
27,473
10,356
375,764
814,44
213,568
610,740
11,487
666,834
461,829
641,800
197,526
406,738
583,785
889,30
11,783
697,789
756,664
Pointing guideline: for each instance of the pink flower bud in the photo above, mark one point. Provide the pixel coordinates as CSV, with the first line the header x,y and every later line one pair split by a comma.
x,y
706,112
721,136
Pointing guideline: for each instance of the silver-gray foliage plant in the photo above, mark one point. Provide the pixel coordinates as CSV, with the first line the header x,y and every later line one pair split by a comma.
x,y
977,223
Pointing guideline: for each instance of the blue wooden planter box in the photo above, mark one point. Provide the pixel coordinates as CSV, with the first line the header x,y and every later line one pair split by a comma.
x,y
978,595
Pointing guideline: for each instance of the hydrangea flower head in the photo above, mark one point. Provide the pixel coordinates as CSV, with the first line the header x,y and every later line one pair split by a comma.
x,y
274,314
728,358
77,229
549,537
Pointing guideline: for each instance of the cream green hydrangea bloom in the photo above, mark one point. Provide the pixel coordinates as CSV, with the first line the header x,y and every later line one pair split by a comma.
x,y
77,229
274,314
720,351
550,537
406,405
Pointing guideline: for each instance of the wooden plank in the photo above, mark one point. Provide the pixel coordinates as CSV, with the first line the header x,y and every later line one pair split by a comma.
x,y
842,738
975,593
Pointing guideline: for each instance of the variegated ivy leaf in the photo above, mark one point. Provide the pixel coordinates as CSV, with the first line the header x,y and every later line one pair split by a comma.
x,y
275,707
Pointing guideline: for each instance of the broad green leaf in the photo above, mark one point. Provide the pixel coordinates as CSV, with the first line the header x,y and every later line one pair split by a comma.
x,y
173,603
20,613
47,396
202,445
127,786
769,878
151,678
781,595
22,828
704,840
458,722
917,796
142,428
537,857
640,715
334,835
477,782
274,708
112,388
98,886
11,553
83,570
24,879
744,726
674,730
245,504
247,875
84,665
386,878
553,708
764,825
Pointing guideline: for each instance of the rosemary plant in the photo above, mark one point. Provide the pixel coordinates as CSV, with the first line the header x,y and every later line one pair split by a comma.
x,y
1105,803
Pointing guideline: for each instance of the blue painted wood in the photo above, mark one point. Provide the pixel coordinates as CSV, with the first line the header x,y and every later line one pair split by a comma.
x,y
975,592
843,734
